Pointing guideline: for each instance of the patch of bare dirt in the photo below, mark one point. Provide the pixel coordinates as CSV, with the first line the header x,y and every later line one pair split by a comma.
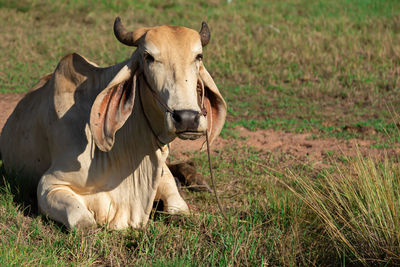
x,y
301,146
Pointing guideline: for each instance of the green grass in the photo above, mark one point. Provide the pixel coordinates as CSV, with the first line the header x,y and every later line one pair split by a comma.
x,y
267,222
330,68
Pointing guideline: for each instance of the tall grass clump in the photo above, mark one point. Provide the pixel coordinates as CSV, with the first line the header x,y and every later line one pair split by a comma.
x,y
360,208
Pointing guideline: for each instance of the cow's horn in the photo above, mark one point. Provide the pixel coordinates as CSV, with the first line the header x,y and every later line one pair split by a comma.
x,y
204,34
122,34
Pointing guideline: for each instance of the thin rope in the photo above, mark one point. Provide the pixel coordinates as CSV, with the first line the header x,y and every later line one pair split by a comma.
x,y
204,112
212,179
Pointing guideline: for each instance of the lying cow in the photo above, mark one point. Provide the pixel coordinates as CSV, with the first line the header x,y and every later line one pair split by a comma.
x,y
95,139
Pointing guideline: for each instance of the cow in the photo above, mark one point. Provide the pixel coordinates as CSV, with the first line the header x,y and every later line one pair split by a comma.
x,y
94,141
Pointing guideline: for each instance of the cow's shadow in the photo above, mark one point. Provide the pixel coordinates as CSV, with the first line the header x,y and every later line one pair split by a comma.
x,y
21,190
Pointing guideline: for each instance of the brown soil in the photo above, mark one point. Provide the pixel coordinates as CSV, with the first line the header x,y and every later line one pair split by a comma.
x,y
300,146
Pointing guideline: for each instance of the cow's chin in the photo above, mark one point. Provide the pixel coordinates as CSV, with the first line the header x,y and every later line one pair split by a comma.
x,y
190,135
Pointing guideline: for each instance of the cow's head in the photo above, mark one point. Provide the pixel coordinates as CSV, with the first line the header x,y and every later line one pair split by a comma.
x,y
178,95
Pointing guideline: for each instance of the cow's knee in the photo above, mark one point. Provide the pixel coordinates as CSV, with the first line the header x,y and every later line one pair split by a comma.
x,y
61,204
169,194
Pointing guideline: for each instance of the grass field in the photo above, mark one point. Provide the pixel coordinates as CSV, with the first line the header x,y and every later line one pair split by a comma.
x,y
330,68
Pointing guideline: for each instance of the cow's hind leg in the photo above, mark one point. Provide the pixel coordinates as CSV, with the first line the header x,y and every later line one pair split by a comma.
x,y
187,176
58,201
169,194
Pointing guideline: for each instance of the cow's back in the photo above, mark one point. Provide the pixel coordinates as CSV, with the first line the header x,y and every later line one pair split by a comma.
x,y
23,141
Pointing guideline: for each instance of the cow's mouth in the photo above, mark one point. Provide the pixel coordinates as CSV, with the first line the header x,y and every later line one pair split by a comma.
x,y
191,135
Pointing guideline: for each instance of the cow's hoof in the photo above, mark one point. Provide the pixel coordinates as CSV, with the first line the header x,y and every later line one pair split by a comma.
x,y
177,206
82,222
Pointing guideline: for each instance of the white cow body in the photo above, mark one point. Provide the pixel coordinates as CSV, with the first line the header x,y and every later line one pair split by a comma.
x,y
94,141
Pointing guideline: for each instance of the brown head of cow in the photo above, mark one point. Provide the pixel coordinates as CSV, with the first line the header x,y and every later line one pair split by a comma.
x,y
178,95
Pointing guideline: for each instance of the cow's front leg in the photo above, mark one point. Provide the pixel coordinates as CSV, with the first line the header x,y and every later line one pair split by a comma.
x,y
58,201
169,194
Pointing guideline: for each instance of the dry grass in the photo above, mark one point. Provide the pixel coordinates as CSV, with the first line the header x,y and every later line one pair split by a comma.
x,y
359,207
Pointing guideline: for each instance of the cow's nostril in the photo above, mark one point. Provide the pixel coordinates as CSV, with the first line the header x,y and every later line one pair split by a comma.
x,y
177,117
186,120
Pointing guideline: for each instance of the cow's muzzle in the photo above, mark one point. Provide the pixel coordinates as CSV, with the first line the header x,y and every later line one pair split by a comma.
x,y
186,123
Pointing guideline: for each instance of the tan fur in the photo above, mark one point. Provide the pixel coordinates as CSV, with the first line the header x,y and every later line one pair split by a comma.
x,y
56,136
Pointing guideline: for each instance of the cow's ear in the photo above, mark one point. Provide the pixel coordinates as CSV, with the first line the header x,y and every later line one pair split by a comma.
x,y
112,107
214,104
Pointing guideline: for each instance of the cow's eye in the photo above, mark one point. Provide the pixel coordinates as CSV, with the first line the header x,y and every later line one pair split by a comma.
x,y
149,58
199,57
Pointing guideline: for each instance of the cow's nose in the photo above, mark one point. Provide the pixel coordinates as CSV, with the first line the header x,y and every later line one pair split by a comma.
x,y
186,120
